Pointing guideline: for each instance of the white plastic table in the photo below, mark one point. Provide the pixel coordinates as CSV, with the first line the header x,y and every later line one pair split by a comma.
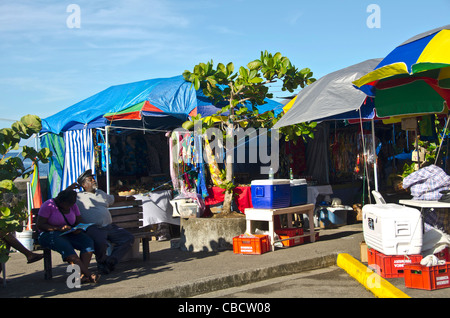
x,y
425,204
268,215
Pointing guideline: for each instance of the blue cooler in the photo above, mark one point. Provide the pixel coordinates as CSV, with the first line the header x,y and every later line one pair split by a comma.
x,y
271,193
334,215
299,192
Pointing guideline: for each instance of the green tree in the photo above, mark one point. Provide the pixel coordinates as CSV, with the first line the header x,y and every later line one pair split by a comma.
x,y
247,86
12,215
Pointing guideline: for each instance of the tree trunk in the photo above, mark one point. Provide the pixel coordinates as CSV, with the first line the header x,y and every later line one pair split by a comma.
x,y
229,146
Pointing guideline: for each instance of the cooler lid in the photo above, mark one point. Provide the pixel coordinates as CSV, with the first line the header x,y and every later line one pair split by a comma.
x,y
298,181
270,182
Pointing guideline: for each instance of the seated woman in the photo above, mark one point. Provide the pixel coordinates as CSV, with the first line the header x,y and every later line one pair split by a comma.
x,y
57,216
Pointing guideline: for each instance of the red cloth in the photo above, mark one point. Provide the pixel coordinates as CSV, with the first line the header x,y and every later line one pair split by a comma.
x,y
243,200
297,156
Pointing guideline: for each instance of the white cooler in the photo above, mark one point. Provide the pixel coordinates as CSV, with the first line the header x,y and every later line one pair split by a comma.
x,y
392,229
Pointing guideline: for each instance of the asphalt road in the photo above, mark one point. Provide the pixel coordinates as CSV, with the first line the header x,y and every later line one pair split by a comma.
x,y
330,282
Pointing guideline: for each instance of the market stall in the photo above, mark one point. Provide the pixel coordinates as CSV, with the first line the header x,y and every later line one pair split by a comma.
x,y
123,135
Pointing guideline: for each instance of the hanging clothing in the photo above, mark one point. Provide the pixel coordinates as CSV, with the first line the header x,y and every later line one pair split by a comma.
x,y
212,164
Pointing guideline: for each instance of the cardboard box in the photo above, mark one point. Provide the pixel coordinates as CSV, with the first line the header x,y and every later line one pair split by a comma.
x,y
363,252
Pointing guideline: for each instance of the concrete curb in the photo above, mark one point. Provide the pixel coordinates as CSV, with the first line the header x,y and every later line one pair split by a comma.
x,y
241,278
369,279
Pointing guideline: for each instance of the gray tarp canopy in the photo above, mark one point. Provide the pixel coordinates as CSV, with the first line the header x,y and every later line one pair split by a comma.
x,y
332,94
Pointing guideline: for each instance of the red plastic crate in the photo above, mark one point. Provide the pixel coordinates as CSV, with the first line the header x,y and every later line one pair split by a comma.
x,y
390,266
307,239
254,244
428,278
371,259
290,232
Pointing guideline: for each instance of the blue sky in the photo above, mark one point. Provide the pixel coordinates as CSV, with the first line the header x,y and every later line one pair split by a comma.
x,y
46,66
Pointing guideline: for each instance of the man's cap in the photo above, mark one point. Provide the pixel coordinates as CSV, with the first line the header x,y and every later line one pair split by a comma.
x,y
84,175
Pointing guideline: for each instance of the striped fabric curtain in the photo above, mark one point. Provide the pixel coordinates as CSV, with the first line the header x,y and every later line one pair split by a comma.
x,y
79,155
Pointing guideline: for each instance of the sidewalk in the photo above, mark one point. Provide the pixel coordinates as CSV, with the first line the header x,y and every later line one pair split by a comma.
x,y
171,272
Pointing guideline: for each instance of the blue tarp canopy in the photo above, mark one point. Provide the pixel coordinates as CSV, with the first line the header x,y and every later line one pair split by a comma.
x,y
205,108
172,96
162,103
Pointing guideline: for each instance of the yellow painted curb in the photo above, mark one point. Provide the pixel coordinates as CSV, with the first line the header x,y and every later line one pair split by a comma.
x,y
369,279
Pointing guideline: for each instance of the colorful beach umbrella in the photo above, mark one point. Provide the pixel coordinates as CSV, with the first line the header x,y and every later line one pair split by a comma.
x,y
414,78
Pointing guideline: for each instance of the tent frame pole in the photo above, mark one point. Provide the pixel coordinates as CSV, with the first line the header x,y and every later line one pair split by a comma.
x,y
107,159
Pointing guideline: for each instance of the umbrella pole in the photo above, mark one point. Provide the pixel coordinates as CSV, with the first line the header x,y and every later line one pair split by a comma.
x,y
444,133
365,165
375,168
416,145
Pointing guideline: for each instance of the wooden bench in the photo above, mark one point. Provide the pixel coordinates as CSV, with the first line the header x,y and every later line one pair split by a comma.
x,y
125,214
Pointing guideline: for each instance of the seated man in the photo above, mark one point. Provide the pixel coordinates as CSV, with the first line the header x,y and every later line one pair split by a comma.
x,y
93,205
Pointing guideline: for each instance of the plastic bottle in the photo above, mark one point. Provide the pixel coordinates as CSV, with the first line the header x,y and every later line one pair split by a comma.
x,y
270,173
291,174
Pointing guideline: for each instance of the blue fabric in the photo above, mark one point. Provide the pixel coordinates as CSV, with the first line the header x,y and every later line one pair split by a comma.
x,y
66,244
206,108
171,95
408,53
56,163
201,182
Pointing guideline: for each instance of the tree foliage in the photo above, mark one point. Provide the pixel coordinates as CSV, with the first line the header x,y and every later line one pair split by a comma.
x,y
240,91
13,214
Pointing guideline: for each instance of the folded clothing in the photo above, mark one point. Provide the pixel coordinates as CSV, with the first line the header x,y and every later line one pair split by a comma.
x,y
427,183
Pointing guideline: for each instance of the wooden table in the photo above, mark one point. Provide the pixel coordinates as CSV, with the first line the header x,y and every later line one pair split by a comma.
x,y
268,215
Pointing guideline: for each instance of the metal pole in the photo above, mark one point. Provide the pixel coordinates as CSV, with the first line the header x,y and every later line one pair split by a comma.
x,y
375,174
107,159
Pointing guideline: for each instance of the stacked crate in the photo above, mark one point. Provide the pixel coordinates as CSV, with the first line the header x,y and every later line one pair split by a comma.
x,y
394,237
